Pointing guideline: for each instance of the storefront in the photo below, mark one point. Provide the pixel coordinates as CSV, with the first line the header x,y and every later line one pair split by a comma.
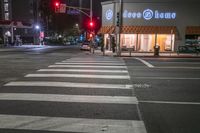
x,y
11,31
146,24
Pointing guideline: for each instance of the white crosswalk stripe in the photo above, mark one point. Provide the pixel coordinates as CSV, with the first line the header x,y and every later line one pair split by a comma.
x,y
82,70
87,66
69,98
68,84
111,64
79,76
71,124
92,60
74,69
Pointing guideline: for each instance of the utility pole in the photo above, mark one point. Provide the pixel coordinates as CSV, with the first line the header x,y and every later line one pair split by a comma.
x,y
81,16
91,13
118,27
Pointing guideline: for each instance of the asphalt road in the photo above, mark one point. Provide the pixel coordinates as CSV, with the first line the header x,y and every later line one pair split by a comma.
x,y
65,90
169,95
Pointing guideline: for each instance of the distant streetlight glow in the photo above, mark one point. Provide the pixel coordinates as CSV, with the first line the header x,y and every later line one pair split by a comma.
x,y
37,27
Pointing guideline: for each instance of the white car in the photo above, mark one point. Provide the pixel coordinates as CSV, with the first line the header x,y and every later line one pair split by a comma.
x,y
85,46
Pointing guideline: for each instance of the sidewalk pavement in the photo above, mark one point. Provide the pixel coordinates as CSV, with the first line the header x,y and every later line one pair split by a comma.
x,y
148,54
28,46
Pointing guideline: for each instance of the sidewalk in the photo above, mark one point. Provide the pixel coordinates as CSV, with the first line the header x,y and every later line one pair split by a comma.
x,y
143,54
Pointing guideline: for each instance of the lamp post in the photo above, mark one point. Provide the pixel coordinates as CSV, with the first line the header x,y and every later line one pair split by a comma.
x,y
37,29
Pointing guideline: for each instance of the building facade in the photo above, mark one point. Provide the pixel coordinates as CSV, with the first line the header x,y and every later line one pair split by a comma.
x,y
144,23
17,20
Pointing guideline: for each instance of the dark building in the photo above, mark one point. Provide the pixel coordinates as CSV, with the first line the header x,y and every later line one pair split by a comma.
x,y
17,20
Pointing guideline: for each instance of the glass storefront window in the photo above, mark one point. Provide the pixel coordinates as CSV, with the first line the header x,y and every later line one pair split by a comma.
x,y
146,42
166,42
128,40
143,42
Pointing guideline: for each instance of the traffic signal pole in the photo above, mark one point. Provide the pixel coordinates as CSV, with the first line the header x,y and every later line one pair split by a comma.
x,y
91,21
91,13
118,27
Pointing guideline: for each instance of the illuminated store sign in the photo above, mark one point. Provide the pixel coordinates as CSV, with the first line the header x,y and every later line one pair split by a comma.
x,y
109,14
149,14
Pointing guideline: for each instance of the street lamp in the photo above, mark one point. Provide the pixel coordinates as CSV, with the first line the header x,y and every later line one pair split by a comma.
x,y
37,27
37,31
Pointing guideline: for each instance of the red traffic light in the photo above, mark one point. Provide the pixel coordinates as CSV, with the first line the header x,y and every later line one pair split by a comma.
x,y
57,4
91,35
91,24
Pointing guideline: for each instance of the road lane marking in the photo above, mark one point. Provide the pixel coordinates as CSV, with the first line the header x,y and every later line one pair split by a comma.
x,y
79,125
176,67
145,62
79,76
189,63
69,98
68,84
169,102
82,70
84,66
166,78
112,64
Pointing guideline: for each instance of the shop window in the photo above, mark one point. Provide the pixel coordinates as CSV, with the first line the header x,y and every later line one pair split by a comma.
x,y
6,7
166,42
146,42
6,16
107,44
128,40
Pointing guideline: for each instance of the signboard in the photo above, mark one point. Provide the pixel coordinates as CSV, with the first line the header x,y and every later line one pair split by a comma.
x,y
109,14
62,8
73,12
41,34
147,14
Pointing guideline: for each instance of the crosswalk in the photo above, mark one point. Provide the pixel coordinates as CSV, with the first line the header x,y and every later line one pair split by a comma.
x,y
79,95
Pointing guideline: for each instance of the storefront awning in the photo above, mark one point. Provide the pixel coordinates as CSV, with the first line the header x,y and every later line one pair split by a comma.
x,y
148,29
140,30
107,30
193,30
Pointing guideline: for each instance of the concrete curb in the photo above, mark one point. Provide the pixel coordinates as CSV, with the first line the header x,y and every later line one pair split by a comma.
x,y
149,55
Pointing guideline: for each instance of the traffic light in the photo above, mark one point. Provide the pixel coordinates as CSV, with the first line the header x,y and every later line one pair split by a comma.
x,y
91,35
91,24
118,19
57,6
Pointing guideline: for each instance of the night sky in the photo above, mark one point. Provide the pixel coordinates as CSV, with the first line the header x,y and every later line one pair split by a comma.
x,y
81,19
86,4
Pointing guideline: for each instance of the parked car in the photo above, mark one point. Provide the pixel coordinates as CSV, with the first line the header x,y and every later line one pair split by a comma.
x,y
189,49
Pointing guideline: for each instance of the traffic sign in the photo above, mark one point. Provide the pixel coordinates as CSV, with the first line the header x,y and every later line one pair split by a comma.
x,y
62,8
